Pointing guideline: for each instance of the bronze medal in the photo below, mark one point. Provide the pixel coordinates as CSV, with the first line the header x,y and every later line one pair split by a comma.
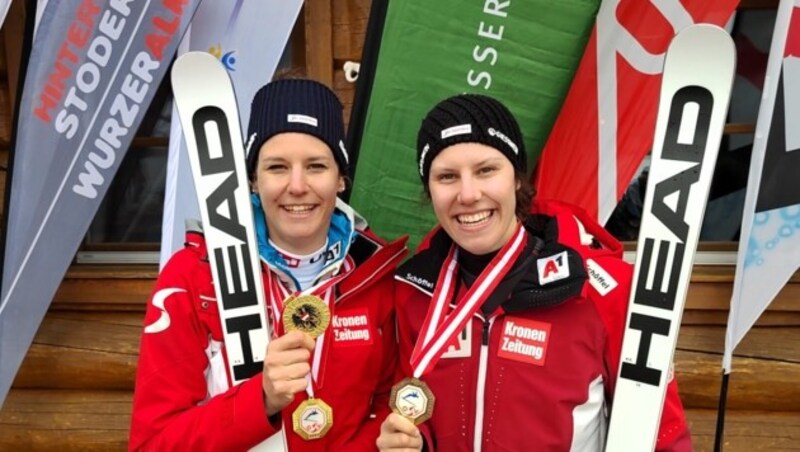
x,y
312,419
307,313
412,399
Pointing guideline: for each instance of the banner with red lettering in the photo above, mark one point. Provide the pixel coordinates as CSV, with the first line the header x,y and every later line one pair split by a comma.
x,y
93,70
770,239
606,124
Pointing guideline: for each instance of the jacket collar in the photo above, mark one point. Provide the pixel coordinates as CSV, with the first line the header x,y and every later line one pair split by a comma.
x,y
348,237
566,237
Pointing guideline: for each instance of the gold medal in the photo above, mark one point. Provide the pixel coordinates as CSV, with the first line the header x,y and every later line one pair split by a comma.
x,y
412,399
307,313
312,419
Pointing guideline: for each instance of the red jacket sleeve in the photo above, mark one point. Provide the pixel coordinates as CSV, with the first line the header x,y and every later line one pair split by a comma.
x,y
171,408
673,433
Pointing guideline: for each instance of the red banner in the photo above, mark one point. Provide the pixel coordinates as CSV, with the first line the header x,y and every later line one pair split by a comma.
x,y
606,124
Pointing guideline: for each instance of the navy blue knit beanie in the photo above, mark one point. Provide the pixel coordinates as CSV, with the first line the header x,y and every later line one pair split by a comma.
x,y
296,105
469,118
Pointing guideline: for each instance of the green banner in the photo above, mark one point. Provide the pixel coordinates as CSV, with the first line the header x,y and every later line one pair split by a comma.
x,y
522,52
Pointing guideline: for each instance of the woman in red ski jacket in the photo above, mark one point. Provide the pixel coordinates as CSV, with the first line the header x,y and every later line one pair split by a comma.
x,y
512,317
310,243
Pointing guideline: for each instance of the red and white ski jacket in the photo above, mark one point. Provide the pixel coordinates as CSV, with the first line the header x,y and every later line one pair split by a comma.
x,y
539,372
184,400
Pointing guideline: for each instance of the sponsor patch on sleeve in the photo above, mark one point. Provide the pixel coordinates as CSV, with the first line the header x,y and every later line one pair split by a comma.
x,y
352,327
599,278
553,268
524,340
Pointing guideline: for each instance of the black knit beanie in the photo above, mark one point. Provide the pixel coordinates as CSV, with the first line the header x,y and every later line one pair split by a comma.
x,y
469,118
296,105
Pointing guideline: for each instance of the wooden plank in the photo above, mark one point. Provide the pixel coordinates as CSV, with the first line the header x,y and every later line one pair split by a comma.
x,y
319,41
717,296
115,294
719,317
65,420
346,92
779,343
755,384
724,273
739,128
118,271
3,174
746,431
13,35
350,28
134,319
106,287
6,119
81,354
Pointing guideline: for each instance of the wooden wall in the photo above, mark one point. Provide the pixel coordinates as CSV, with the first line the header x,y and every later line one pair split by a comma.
x,y
75,387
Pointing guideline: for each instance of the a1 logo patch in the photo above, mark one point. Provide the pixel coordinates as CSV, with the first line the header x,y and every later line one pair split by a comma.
x,y
462,348
553,268
352,327
524,340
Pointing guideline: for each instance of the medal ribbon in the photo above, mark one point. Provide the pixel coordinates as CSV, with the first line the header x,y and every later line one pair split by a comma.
x,y
278,294
438,330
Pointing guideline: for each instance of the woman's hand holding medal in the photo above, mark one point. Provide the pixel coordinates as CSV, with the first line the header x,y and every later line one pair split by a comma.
x,y
398,433
286,369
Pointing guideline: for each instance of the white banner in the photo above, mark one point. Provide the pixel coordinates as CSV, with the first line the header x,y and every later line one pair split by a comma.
x,y
92,72
769,248
249,39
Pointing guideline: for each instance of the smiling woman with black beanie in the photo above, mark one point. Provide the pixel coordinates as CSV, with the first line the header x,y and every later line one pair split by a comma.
x,y
510,319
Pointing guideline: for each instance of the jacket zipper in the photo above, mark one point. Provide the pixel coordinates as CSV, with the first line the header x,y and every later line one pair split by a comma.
x,y
480,392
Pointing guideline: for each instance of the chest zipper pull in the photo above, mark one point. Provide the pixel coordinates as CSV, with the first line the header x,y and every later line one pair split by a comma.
x,y
485,335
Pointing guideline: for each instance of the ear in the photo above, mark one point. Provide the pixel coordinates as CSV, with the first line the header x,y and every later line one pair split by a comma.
x,y
341,185
518,184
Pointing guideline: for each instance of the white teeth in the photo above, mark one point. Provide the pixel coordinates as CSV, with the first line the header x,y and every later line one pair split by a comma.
x,y
475,217
299,209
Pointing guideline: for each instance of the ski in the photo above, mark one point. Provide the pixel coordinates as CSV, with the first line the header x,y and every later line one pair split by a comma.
x,y
695,94
209,116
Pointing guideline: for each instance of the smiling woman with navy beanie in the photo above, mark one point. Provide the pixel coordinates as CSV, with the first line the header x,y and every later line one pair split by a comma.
x,y
511,317
328,393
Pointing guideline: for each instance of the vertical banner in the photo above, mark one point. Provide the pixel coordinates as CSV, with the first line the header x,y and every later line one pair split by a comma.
x,y
249,39
769,248
523,53
94,68
606,125
4,5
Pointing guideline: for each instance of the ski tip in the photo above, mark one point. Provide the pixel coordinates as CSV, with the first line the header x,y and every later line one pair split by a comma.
x,y
192,63
705,36
703,52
